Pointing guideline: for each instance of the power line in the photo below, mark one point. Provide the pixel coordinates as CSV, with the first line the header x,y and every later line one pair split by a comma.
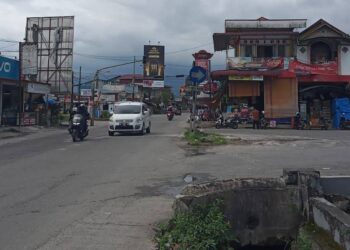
x,y
185,50
8,41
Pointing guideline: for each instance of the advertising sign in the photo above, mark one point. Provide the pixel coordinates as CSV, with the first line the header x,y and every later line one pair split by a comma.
x,y
245,78
29,58
153,84
320,69
154,62
38,88
9,68
249,63
85,92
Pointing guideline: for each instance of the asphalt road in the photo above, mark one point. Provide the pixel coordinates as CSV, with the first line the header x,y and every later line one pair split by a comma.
x,y
108,192
102,193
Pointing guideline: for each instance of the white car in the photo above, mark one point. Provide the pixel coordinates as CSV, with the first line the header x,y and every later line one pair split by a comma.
x,y
130,117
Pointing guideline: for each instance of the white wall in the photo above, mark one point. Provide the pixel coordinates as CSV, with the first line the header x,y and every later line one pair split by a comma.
x,y
303,57
344,60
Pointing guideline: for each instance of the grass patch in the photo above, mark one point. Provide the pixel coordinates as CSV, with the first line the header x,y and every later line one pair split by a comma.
x,y
198,138
310,235
202,228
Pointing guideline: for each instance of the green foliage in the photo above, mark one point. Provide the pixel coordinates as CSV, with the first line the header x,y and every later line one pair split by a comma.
x,y
203,228
166,97
197,138
105,114
303,241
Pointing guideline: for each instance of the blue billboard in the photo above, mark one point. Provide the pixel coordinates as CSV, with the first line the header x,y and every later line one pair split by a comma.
x,y
9,68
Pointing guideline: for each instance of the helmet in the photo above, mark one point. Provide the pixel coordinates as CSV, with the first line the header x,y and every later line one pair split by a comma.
x,y
263,112
74,109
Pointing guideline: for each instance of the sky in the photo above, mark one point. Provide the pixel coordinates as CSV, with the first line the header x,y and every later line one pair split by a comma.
x,y
109,32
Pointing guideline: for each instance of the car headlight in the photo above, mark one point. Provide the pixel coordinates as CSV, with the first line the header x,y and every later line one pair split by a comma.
x,y
138,120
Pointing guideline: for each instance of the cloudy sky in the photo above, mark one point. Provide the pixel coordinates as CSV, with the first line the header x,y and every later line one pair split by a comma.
x,y
118,29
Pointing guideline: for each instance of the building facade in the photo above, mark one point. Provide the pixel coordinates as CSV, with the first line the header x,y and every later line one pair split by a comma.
x,y
272,66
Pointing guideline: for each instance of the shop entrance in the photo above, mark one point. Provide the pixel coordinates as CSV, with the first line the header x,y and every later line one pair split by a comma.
x,y
315,101
10,101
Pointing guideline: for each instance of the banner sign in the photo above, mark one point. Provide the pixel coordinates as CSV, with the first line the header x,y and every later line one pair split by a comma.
x,y
38,88
246,78
249,63
153,84
9,68
85,92
319,69
153,62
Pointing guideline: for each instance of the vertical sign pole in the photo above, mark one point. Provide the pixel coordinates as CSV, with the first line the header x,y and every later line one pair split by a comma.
x,y
79,88
193,118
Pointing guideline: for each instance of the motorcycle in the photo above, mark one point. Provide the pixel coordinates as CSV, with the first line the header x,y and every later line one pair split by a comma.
x,y
263,123
77,129
344,123
300,124
226,123
170,115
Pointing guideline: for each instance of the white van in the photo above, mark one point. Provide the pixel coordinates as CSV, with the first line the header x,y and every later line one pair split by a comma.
x,y
130,117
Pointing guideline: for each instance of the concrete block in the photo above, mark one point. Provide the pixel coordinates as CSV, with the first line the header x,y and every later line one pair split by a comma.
x,y
332,219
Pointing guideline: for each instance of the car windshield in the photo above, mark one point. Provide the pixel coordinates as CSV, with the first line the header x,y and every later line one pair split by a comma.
x,y
127,109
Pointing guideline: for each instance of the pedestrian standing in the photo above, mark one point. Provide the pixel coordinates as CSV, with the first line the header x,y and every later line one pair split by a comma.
x,y
256,118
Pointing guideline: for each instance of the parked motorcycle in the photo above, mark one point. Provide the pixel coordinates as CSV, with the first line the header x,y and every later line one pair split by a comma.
x,y
170,115
344,123
226,123
77,129
263,123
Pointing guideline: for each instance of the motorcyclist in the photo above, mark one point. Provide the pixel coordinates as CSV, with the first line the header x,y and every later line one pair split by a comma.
x,y
220,117
72,112
82,110
262,122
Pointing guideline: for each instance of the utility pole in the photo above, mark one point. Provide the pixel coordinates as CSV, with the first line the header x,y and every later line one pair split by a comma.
x,y
79,88
133,80
93,86
72,94
194,94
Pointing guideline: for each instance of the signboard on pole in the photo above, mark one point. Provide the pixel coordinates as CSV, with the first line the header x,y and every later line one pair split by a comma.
x,y
197,74
153,62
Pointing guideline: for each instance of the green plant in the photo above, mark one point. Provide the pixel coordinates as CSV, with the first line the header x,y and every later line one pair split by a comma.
x,y
202,228
303,241
105,114
196,138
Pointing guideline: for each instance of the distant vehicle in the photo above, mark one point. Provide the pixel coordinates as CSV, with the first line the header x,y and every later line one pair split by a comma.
x,y
170,115
130,117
